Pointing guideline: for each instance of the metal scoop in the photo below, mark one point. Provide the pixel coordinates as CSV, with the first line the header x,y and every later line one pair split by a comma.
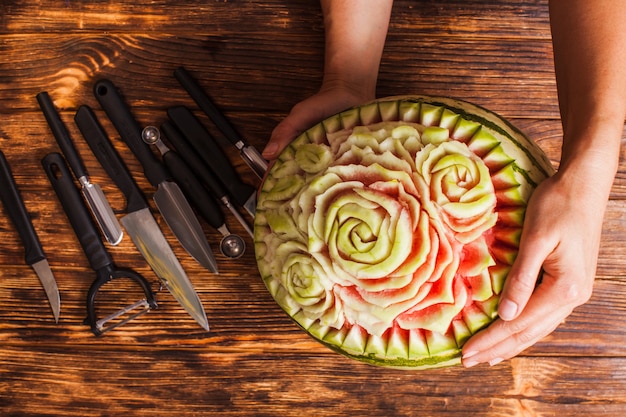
x,y
232,245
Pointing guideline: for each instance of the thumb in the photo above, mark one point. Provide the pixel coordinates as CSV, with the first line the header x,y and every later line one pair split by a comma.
x,y
301,117
282,134
522,279
304,115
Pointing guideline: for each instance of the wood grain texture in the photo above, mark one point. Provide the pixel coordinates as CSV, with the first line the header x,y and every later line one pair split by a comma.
x,y
257,59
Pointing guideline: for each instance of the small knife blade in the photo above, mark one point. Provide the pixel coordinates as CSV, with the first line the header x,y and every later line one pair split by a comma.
x,y
248,153
93,194
213,156
168,197
34,254
139,222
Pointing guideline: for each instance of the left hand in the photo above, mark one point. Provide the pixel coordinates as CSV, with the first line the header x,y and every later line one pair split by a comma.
x,y
561,235
332,98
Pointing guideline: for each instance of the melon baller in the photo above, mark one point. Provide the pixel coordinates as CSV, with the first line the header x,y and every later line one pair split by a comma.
x,y
97,255
232,246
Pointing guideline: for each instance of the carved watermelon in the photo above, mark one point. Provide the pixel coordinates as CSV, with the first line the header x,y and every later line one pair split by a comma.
x,y
387,231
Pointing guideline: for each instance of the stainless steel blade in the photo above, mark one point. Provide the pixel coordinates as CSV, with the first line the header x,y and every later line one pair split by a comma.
x,y
145,233
250,204
181,218
255,161
44,273
238,216
102,211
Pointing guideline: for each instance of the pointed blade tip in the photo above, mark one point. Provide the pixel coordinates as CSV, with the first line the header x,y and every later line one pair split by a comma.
x,y
46,277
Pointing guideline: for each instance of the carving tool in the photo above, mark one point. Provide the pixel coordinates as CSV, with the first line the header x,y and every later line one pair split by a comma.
x,y
168,197
248,153
202,171
139,222
191,128
34,254
59,175
93,194
231,245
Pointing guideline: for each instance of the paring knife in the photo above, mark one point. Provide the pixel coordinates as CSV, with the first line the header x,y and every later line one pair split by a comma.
x,y
34,254
213,156
139,222
168,197
93,194
248,153
197,165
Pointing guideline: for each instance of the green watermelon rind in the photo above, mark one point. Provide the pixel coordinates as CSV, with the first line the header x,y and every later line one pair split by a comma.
x,y
431,362
515,144
493,122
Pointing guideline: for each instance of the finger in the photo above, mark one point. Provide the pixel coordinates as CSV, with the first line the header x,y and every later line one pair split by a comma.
x,y
504,339
512,340
522,278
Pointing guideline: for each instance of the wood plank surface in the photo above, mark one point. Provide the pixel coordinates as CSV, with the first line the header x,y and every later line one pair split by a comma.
x,y
258,58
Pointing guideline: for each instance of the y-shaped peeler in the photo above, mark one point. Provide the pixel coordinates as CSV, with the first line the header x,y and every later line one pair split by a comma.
x,y
100,260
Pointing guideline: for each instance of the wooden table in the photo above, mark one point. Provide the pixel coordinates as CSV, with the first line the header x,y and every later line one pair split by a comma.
x,y
258,58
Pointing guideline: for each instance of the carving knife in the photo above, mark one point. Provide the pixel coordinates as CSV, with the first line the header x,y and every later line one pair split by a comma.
x,y
34,255
200,169
213,156
248,153
168,197
139,222
93,194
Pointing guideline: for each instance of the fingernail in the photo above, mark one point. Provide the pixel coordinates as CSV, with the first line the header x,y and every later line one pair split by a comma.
x,y
469,354
269,150
507,310
495,361
470,363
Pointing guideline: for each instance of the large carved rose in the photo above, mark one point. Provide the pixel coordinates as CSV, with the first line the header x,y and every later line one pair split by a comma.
x,y
382,231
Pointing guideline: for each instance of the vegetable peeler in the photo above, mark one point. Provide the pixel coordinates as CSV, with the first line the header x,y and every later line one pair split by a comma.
x,y
97,255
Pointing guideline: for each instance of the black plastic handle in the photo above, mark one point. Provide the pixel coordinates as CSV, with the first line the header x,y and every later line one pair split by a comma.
x,y
211,153
194,190
197,165
59,175
103,149
206,104
15,208
118,111
61,135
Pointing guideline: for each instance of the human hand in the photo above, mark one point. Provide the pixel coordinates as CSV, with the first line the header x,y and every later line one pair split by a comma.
x,y
329,100
561,235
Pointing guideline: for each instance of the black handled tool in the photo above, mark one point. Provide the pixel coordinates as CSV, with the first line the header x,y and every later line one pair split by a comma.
x,y
249,154
200,169
34,254
97,255
93,194
168,197
139,222
213,156
231,245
